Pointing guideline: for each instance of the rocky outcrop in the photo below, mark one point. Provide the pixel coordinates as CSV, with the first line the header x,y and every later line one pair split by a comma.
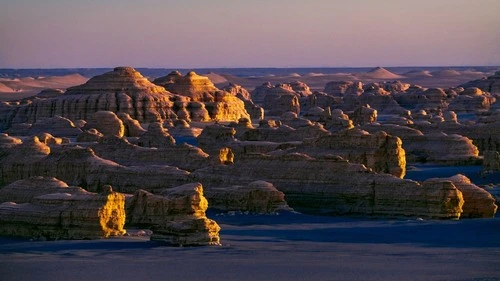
x,y
471,100
91,135
364,115
62,215
479,203
255,111
257,197
121,151
432,147
80,166
340,88
156,136
57,126
192,85
107,123
332,185
226,107
379,151
491,161
489,84
121,90
176,216
132,127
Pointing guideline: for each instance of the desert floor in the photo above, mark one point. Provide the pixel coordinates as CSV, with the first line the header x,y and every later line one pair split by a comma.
x,y
275,247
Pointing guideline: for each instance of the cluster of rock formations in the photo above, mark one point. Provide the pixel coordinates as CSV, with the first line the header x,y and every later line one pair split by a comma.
x,y
341,151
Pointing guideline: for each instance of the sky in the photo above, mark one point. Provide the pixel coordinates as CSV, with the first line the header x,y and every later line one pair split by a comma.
x,y
248,33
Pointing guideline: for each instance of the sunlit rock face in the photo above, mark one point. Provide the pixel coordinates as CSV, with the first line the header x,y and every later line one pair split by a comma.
x,y
176,215
46,208
255,111
436,147
478,202
379,151
490,84
257,197
107,123
82,167
471,100
122,90
217,105
192,85
132,127
332,185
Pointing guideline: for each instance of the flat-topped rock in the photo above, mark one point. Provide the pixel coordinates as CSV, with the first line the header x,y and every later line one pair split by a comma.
x,y
192,85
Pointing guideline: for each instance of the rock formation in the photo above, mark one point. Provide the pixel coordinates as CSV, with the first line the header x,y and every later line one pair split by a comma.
x,y
107,123
81,167
132,127
196,87
156,136
478,202
176,216
121,90
320,185
364,115
490,84
340,88
257,197
432,147
75,214
121,151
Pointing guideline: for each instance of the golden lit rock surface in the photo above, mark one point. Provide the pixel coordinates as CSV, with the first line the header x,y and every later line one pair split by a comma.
x,y
107,123
122,90
176,216
479,203
57,211
332,185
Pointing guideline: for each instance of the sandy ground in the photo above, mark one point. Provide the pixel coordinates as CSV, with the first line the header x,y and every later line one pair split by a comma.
x,y
275,247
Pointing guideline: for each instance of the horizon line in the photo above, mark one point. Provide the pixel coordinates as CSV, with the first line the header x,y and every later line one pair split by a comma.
x,y
241,67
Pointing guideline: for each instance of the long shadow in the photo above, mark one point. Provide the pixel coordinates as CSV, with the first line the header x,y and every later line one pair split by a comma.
x,y
471,233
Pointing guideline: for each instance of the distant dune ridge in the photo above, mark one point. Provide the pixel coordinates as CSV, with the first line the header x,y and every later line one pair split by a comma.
x,y
380,73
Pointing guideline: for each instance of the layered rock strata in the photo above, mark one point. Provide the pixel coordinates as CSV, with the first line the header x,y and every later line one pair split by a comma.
x,y
121,90
257,197
82,167
176,215
62,215
332,185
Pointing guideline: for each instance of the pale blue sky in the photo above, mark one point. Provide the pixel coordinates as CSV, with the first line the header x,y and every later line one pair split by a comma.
x,y
252,33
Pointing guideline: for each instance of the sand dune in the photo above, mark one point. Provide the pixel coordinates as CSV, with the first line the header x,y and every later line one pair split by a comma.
x,y
18,88
216,78
379,73
5,89
418,73
445,73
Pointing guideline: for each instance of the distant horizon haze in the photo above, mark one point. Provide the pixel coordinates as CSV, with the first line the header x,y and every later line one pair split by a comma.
x,y
192,34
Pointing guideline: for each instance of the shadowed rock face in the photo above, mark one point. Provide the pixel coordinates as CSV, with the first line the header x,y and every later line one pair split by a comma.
x,y
257,197
121,90
81,167
331,185
47,208
176,216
